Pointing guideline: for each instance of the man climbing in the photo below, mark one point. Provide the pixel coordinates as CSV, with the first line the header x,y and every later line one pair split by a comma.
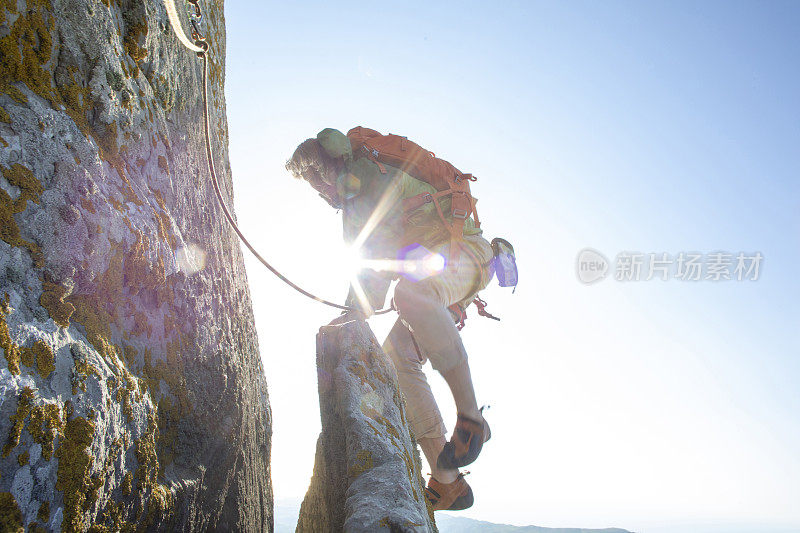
x,y
411,216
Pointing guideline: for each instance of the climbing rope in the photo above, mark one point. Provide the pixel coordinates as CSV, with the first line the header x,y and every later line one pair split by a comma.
x,y
172,13
200,46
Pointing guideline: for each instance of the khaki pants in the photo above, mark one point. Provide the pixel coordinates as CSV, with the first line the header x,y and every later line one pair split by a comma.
x,y
424,318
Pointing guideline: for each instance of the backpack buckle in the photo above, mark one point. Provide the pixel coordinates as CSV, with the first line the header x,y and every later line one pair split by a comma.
x,y
460,213
370,151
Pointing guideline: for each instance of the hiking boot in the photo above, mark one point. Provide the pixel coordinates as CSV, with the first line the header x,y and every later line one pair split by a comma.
x,y
465,445
453,496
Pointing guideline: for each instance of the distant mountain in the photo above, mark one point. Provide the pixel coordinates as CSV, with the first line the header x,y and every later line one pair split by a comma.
x,y
286,512
457,524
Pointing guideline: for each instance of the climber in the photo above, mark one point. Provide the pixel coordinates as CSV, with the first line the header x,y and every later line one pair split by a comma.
x,y
406,229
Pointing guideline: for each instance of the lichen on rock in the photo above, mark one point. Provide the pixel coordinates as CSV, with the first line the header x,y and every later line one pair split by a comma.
x,y
111,348
10,515
367,468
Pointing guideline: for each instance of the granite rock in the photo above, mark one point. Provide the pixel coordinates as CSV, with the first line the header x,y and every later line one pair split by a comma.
x,y
367,472
126,329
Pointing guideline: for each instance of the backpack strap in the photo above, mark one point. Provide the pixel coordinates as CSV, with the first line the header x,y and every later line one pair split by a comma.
x,y
422,164
372,154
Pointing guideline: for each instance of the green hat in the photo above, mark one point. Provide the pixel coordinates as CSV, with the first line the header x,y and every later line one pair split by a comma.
x,y
335,143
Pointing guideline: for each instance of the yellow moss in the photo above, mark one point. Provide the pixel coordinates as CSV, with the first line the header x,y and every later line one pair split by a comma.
x,y
113,520
109,148
138,272
87,205
30,189
111,517
36,528
130,354
398,401
23,177
127,484
116,204
45,426
160,501
409,462
168,418
119,163
27,356
45,358
147,472
141,325
375,430
74,95
23,458
128,396
10,515
74,481
162,164
24,404
4,116
75,98
360,370
390,429
159,504
164,229
362,463
44,512
52,299
94,311
13,92
11,350
130,272
131,42
82,370
24,51
110,304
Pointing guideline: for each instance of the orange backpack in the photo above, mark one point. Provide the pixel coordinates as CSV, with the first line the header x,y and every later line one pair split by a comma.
x,y
422,164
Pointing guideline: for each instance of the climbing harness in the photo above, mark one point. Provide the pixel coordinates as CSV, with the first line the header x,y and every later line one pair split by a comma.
x,y
459,312
200,46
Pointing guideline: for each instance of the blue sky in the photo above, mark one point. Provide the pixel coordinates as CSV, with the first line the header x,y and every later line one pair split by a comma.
x,y
667,127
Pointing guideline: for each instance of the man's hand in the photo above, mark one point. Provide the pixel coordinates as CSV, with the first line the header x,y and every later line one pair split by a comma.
x,y
348,316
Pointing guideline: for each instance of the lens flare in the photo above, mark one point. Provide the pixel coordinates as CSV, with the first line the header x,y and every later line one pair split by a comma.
x,y
191,259
352,261
435,263
417,262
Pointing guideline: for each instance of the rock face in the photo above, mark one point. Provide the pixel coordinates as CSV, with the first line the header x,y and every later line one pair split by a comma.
x,y
131,390
367,470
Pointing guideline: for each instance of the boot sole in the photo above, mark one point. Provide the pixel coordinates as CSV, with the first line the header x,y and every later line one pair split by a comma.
x,y
448,461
